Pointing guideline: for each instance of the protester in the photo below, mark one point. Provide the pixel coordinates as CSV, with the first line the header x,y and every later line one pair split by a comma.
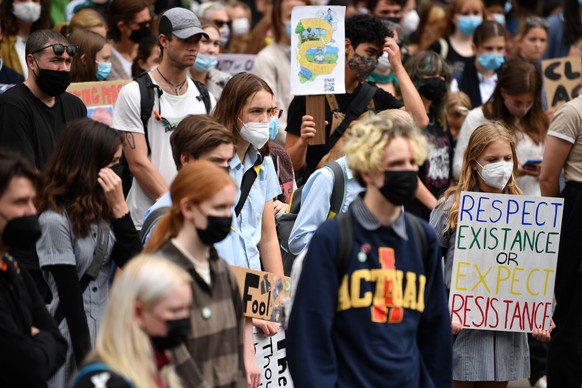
x,y
366,38
147,314
387,9
479,76
432,20
203,195
531,40
336,338
128,21
562,153
204,68
241,19
273,63
150,157
7,75
148,56
215,12
19,20
31,347
517,103
85,225
489,165
456,46
431,76
458,107
89,19
93,59
565,28
197,137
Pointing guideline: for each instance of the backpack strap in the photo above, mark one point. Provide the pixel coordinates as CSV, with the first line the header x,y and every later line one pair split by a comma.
x,y
338,195
345,244
356,108
150,222
204,95
247,182
419,236
332,102
146,92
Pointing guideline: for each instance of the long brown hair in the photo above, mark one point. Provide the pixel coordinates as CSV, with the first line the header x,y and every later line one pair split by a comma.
x,y
516,77
90,43
480,139
197,181
122,11
10,22
70,177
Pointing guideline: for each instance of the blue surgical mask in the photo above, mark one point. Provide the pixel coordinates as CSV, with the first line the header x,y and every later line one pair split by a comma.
x,y
103,70
205,63
468,23
273,128
288,30
500,17
491,61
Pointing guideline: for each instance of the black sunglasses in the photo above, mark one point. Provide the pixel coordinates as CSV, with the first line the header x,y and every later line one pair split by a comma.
x,y
536,21
59,49
221,23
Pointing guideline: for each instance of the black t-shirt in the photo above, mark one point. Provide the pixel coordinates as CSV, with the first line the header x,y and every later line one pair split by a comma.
x,y
454,59
29,126
382,101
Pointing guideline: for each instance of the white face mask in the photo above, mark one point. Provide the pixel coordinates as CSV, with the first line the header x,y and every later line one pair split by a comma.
x,y
410,22
27,12
240,26
496,174
255,133
383,62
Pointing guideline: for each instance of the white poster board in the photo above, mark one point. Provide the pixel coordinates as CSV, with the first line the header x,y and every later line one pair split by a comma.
x,y
235,63
271,355
504,266
317,50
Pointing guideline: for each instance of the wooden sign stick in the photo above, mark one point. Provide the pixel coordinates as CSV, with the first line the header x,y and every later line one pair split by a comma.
x,y
315,106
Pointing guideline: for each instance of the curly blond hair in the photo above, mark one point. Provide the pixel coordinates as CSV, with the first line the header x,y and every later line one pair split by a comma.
x,y
369,138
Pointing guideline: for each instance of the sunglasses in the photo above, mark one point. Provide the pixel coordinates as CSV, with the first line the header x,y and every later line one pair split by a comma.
x,y
221,23
536,21
59,49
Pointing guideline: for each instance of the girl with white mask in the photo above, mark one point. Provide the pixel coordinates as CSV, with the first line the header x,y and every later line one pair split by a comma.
x,y
489,165
204,69
20,18
516,102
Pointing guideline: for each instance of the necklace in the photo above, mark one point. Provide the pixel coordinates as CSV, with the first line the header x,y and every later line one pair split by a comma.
x,y
176,87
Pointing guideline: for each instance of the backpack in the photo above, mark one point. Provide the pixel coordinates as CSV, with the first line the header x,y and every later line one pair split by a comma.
x,y
285,222
147,98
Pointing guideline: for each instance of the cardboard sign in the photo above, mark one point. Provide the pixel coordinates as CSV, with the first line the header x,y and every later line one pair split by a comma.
x,y
263,293
504,267
97,93
235,63
562,79
271,356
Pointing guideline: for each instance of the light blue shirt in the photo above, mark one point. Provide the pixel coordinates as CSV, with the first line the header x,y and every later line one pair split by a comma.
x,y
164,201
316,204
241,245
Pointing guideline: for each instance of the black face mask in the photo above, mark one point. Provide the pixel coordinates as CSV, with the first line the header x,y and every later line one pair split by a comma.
x,y
117,169
433,88
178,332
53,82
21,232
216,230
138,35
392,19
399,186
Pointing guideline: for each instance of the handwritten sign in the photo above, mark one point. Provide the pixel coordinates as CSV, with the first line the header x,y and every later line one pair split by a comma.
x,y
263,293
271,356
317,50
562,79
97,93
504,265
235,63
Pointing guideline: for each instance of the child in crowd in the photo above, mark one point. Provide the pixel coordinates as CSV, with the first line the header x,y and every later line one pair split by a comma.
x,y
458,108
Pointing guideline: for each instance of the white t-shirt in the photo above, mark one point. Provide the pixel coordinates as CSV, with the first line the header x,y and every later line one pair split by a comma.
x,y
126,117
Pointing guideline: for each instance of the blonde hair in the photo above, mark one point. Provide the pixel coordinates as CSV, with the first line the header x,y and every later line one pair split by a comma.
x,y
483,136
87,18
369,138
121,343
459,104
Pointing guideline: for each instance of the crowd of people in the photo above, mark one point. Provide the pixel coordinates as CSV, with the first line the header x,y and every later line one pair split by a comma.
x,y
116,238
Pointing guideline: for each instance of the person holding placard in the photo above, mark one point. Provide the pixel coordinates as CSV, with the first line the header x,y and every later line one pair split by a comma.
x,y
564,151
487,358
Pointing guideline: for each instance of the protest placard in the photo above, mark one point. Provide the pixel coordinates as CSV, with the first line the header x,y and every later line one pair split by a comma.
x,y
235,63
263,293
271,356
317,58
504,266
102,93
562,79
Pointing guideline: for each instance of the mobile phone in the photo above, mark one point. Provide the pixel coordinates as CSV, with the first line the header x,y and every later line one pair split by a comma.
x,y
531,163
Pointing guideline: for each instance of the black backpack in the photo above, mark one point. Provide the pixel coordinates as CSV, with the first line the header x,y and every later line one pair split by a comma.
x,y
285,222
147,98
